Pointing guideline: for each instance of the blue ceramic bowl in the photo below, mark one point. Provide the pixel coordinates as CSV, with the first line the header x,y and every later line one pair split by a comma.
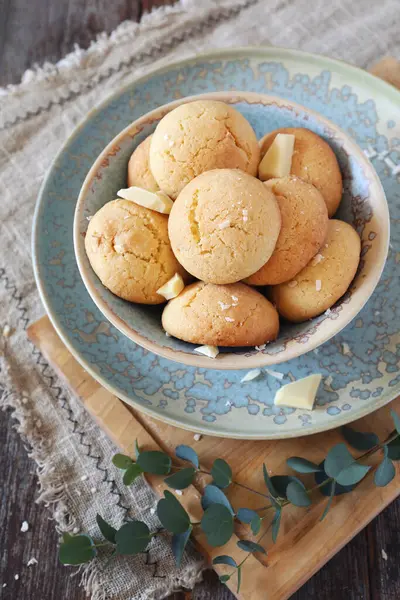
x,y
363,205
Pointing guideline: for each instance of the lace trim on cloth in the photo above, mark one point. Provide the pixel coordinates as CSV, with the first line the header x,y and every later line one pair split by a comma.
x,y
158,32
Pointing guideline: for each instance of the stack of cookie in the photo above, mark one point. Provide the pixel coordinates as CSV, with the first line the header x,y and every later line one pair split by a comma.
x,y
195,208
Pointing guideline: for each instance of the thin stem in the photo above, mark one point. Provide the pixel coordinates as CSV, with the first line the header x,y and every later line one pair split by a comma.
x,y
102,544
242,485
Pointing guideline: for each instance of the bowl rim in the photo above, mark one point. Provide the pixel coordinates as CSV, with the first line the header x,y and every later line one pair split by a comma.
x,y
228,361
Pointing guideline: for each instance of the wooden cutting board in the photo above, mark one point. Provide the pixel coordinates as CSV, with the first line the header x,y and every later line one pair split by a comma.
x,y
304,544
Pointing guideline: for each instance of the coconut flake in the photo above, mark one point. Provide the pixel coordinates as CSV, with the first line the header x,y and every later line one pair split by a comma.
x,y
253,374
384,555
16,577
197,437
229,319
224,224
84,477
178,492
24,526
224,306
317,259
210,351
346,348
292,283
318,285
31,561
275,374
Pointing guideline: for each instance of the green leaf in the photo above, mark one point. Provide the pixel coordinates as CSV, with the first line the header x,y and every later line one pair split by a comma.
x,y
394,449
268,482
352,474
132,473
246,515
358,439
154,462
221,472
217,524
239,579
338,458
224,578
107,530
224,560
302,465
172,515
179,541
121,461
327,488
276,522
213,495
297,495
132,538
137,449
280,483
181,479
396,420
76,550
384,473
187,453
255,525
250,546
328,504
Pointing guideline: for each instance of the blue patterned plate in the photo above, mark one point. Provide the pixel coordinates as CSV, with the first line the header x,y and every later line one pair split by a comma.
x,y
360,365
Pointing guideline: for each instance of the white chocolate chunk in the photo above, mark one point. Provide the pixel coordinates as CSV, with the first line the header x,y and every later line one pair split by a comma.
x,y
275,374
253,374
277,161
172,288
299,394
158,201
210,351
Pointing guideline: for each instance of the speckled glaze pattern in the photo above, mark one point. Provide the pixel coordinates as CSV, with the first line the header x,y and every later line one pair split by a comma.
x,y
360,365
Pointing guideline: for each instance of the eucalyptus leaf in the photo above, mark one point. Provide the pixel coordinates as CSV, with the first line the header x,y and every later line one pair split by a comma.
x,y
107,530
297,495
181,479
268,482
396,420
394,449
250,546
276,523
213,495
224,560
302,465
326,489
217,524
137,449
132,538
255,525
359,439
172,515
121,461
179,541
338,458
352,474
221,472
76,550
132,473
224,578
280,483
154,462
187,453
246,515
239,579
384,473
330,500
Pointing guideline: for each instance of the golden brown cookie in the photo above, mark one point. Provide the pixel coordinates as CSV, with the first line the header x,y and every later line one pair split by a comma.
x,y
129,250
139,173
197,137
314,161
304,227
221,315
224,225
325,279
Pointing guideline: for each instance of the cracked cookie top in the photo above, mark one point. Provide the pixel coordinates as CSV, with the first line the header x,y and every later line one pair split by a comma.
x,y
224,226
197,137
129,250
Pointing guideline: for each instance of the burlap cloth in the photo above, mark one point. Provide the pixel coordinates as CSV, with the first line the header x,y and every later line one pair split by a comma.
x,y
72,455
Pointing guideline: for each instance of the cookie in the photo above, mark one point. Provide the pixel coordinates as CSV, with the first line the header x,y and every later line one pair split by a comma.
x,y
314,161
139,173
304,227
197,137
128,248
224,226
221,315
325,279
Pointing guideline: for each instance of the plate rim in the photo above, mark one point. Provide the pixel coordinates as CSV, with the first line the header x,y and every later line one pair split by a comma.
x,y
263,52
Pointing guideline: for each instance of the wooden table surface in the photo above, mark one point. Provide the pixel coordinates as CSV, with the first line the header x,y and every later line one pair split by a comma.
x,y
34,31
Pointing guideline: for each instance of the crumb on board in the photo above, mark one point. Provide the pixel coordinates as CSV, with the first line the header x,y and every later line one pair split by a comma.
x,y
197,437
24,526
31,561
384,555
